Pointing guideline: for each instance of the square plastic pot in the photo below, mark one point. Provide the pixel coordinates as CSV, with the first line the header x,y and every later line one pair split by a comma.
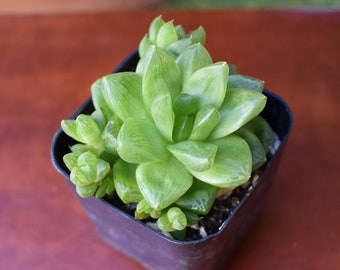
x,y
151,248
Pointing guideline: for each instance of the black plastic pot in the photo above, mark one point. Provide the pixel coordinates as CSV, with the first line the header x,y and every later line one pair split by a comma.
x,y
151,248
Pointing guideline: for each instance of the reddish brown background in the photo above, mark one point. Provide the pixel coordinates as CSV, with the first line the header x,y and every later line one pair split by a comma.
x,y
47,64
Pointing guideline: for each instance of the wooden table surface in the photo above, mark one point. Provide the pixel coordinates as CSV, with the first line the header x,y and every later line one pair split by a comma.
x,y
47,64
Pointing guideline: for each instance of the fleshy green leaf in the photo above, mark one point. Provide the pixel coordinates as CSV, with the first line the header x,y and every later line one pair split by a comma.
x,y
99,117
193,59
185,104
166,35
102,169
140,141
232,69
183,127
82,148
84,129
86,191
70,128
125,182
98,99
232,165
140,65
144,45
155,25
89,172
88,129
240,106
198,35
161,75
87,158
123,93
163,115
143,210
197,156
208,84
199,198
78,178
179,46
110,134
260,127
205,121
105,187
93,168
180,31
256,147
87,164
192,218
164,224
245,82
71,160
173,219
177,218
162,183
111,186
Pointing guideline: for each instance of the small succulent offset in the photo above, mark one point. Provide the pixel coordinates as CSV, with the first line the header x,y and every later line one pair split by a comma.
x,y
173,133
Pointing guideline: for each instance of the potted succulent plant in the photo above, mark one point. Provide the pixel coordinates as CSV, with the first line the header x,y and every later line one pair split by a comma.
x,y
174,152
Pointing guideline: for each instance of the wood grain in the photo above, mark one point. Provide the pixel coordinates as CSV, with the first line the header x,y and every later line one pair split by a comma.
x,y
70,6
47,64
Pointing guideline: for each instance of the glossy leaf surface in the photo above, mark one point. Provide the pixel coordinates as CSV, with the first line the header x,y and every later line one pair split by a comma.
x,y
105,187
163,115
193,59
98,99
71,160
166,35
257,151
110,134
161,75
205,121
88,129
232,165
173,219
123,93
198,35
125,182
143,210
240,106
197,156
183,127
93,168
245,82
180,31
80,148
208,84
260,127
179,46
144,45
155,25
140,141
70,128
185,105
86,191
199,198
162,183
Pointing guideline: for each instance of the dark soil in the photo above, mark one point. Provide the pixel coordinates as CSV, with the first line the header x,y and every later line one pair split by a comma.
x,y
219,213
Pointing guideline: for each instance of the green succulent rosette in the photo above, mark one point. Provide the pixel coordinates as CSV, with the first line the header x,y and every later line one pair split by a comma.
x,y
171,134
